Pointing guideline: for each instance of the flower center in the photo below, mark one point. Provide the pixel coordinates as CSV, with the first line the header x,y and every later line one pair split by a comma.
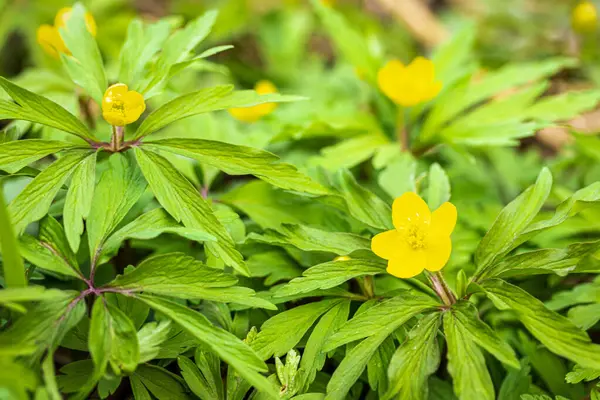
x,y
117,106
415,237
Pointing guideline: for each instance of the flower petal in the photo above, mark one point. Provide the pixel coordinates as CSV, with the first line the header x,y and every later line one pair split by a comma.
x,y
410,209
438,253
421,70
411,264
265,87
389,78
443,220
387,244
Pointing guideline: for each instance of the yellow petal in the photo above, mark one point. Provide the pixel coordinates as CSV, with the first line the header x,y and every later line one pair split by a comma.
x,y
421,70
411,264
387,244
443,220
90,23
410,209
244,114
118,89
265,87
438,252
62,16
48,38
389,79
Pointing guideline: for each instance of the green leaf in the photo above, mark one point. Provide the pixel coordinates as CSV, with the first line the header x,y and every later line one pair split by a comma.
x,y
51,252
30,293
545,261
79,200
125,349
161,383
241,160
388,314
173,274
139,390
99,344
564,106
34,201
556,332
85,66
399,176
150,338
75,375
18,154
503,133
119,188
312,239
466,314
585,316
232,350
512,221
203,101
313,357
12,263
150,225
415,360
438,191
362,203
31,107
177,195
579,374
280,333
353,365
466,363
203,383
330,274
351,44
133,308
142,42
176,49
516,382
455,101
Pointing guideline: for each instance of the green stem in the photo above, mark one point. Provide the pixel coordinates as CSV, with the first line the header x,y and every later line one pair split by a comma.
x,y
441,288
14,268
401,132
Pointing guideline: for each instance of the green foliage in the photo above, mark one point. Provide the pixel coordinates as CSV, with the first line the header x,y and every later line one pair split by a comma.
x,y
185,254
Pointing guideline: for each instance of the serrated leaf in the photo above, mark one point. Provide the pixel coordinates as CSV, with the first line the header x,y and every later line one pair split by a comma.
x,y
516,382
125,348
177,195
51,251
232,350
512,221
203,101
18,154
79,200
415,360
30,293
312,239
241,160
563,106
150,225
119,188
330,274
389,314
362,203
544,261
556,332
142,42
163,384
465,313
34,201
282,332
466,363
85,66
32,107
579,374
150,337
204,383
313,357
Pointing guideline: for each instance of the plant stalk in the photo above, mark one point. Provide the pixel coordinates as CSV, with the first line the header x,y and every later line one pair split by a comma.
x,y
441,288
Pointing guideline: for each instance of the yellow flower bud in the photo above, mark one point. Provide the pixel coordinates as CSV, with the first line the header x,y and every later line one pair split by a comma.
x,y
584,18
49,37
254,113
121,106
409,85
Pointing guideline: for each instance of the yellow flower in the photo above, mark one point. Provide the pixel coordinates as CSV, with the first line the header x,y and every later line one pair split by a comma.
x,y
50,41
409,85
48,36
254,113
121,106
421,239
584,17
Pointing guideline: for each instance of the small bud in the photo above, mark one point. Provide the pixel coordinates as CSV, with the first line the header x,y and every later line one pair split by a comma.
x,y
584,18
121,106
